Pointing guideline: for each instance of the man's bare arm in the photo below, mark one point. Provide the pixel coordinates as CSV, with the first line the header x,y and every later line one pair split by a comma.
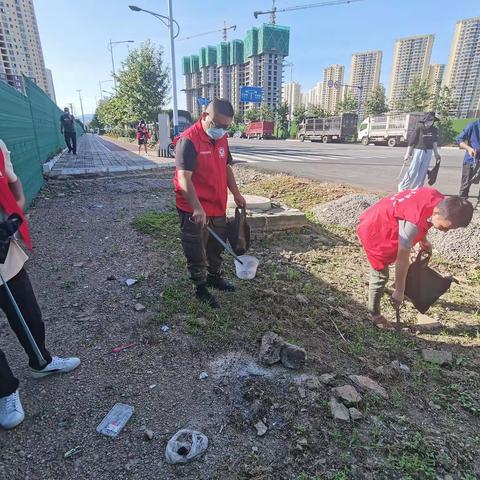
x,y
190,195
17,189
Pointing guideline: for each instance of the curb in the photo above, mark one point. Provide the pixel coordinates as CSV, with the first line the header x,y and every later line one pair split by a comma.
x,y
48,166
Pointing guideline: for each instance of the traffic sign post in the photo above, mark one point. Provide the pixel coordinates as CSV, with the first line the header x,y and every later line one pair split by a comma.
x,y
203,101
251,94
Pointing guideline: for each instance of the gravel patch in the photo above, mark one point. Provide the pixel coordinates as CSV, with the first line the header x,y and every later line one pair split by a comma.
x,y
345,211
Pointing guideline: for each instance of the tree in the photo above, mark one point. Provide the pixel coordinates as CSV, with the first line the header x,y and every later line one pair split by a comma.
x,y
317,112
349,104
376,103
282,119
253,114
445,106
417,98
266,113
143,83
299,114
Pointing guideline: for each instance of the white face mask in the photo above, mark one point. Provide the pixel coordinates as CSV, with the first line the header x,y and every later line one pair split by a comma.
x,y
215,133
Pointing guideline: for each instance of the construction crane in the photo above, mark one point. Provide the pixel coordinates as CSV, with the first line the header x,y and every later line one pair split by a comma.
x,y
274,10
224,30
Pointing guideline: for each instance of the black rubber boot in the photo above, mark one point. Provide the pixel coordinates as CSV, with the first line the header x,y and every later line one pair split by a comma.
x,y
219,283
204,296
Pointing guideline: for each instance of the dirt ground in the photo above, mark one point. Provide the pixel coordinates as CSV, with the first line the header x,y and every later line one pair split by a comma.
x,y
91,235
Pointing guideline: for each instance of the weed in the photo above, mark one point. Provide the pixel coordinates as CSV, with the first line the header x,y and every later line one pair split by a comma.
x,y
164,226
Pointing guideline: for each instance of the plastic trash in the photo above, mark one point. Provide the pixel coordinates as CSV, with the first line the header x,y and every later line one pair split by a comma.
x,y
115,420
185,445
248,270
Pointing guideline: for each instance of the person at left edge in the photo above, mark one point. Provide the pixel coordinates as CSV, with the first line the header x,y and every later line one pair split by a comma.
x,y
67,128
12,200
203,174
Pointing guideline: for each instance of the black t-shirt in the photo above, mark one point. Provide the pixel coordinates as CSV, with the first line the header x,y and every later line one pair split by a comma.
x,y
68,122
186,155
424,138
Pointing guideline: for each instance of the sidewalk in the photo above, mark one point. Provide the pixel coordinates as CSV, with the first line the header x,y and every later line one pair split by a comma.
x,y
97,156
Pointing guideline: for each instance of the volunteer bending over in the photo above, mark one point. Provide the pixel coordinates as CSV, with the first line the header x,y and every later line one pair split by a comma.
x,y
389,229
202,176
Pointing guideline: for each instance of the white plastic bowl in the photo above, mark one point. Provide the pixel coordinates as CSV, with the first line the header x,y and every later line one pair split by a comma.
x,y
248,270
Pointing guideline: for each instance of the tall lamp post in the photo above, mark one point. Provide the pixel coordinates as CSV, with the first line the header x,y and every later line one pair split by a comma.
x,y
81,106
170,23
100,83
110,47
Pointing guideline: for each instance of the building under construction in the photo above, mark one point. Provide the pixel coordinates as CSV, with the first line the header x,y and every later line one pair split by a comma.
x,y
220,71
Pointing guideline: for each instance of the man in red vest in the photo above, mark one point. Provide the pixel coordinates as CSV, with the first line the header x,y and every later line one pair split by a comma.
x,y
389,229
12,201
202,177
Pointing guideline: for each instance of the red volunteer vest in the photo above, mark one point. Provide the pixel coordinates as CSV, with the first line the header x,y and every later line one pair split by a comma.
x,y
210,175
9,204
378,229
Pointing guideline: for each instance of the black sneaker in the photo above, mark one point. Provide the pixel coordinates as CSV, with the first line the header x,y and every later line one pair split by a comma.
x,y
220,284
204,296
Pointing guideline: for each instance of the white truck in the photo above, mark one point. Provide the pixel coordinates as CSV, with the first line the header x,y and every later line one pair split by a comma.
x,y
392,128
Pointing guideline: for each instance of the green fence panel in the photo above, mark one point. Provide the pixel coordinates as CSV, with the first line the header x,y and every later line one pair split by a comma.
x,y
30,127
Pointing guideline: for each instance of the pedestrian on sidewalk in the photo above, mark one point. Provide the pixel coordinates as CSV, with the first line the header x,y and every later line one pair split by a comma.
x,y
12,200
421,144
203,174
67,128
389,229
143,136
469,140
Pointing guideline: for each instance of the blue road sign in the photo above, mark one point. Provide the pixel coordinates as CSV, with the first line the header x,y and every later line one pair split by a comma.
x,y
330,83
336,84
251,94
203,101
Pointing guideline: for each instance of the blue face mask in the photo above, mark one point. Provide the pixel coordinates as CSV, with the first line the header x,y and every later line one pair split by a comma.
x,y
216,133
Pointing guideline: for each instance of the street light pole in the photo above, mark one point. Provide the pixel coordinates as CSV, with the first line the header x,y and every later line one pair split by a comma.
x,y
81,106
174,74
168,22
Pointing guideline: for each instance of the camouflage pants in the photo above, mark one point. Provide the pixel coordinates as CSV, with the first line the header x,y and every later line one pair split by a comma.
x,y
202,251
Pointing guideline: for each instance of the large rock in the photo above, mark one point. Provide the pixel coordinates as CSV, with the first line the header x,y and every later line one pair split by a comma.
x,y
338,410
270,348
366,384
439,357
347,394
355,414
292,356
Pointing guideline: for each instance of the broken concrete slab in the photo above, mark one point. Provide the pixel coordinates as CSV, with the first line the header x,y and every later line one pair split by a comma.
x,y
347,394
439,357
338,410
293,357
425,323
366,384
270,349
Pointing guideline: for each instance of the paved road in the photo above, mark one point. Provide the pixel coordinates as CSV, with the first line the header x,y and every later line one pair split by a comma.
x,y
372,167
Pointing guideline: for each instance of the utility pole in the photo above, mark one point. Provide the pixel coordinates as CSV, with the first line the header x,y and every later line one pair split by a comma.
x,y
174,74
71,109
113,66
81,106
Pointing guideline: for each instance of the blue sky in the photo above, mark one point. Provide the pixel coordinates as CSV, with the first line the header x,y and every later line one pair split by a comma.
x,y
75,34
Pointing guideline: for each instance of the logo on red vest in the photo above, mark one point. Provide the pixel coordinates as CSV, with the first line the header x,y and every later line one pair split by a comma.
x,y
221,152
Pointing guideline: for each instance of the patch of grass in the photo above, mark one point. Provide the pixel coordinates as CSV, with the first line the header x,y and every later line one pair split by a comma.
x,y
414,458
163,226
201,320
297,192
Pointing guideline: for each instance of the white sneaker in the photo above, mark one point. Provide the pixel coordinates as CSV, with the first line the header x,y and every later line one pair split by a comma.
x,y
57,365
11,411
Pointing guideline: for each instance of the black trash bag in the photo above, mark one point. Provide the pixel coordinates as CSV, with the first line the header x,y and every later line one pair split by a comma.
x,y
424,286
7,231
238,232
433,173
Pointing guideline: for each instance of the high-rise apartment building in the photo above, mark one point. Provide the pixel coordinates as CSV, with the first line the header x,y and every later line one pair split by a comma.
x,y
463,71
436,72
220,71
331,96
411,59
50,85
292,96
365,72
313,97
20,47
